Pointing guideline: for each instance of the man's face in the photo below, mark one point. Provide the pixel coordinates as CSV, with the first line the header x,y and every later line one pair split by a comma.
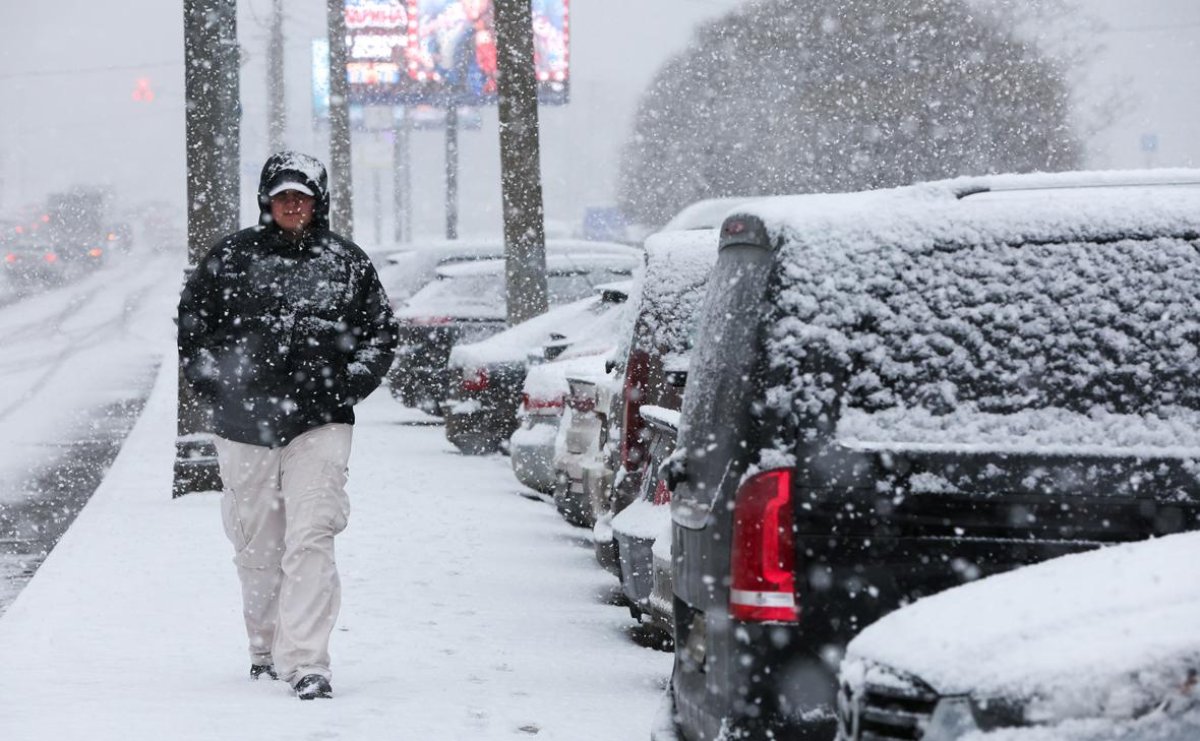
x,y
292,210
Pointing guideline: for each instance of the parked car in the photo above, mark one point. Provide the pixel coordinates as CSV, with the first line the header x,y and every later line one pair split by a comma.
x,y
481,410
1097,645
465,302
637,530
543,400
896,392
580,449
653,371
407,269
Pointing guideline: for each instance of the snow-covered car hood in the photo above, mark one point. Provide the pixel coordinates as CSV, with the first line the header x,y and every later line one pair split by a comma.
x,y
1108,633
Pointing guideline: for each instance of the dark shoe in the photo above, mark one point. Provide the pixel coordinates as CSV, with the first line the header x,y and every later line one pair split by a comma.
x,y
312,686
257,670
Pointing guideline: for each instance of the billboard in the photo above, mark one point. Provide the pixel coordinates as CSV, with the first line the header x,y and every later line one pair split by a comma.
x,y
377,38
435,52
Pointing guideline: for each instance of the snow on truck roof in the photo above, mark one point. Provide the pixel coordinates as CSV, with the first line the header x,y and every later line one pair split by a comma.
x,y
1000,207
1036,311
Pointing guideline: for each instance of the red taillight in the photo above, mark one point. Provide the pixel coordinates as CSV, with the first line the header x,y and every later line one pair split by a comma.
x,y
429,321
637,377
476,381
10,257
764,550
51,257
662,495
95,252
534,403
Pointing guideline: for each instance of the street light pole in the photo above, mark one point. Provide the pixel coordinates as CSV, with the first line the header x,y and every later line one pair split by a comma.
x,y
452,170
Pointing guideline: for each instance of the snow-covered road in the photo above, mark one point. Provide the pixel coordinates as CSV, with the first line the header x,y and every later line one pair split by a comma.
x,y
78,362
471,611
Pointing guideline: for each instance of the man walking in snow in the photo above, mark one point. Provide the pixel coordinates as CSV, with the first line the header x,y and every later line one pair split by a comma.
x,y
283,327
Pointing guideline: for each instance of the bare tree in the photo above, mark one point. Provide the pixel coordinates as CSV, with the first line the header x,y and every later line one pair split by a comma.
x,y
834,95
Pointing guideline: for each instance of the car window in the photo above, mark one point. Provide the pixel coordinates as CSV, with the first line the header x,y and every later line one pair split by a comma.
x,y
566,286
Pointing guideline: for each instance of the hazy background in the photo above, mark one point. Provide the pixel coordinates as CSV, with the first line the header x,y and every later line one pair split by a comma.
x,y
68,70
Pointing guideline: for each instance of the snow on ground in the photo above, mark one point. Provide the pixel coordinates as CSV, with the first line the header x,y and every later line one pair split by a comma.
x,y
469,611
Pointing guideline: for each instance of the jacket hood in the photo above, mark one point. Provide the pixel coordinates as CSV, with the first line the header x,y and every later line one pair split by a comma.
x,y
302,168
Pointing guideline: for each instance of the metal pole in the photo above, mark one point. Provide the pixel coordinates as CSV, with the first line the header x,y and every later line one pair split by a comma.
x,y
212,133
341,199
401,179
276,109
520,167
377,187
452,171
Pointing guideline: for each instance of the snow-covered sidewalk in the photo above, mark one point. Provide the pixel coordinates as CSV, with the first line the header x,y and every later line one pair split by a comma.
x,y
469,611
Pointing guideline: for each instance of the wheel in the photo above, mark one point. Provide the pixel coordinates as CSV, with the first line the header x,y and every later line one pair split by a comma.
x,y
475,444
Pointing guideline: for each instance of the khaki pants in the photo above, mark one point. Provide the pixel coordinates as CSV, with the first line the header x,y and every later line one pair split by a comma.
x,y
281,509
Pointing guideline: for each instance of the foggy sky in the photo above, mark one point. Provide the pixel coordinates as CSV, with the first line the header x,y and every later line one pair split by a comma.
x,y
68,69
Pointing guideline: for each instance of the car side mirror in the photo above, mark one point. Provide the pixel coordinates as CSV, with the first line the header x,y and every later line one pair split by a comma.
x,y
674,469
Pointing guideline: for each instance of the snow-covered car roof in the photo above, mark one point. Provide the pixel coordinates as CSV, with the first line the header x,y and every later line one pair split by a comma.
x,y
997,208
410,268
705,214
1104,634
1011,312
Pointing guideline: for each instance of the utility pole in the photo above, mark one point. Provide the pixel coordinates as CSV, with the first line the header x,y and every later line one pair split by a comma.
x,y
452,170
212,133
401,178
276,109
341,200
520,162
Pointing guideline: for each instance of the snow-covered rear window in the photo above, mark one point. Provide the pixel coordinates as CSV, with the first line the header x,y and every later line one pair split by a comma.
x,y
677,269
1016,346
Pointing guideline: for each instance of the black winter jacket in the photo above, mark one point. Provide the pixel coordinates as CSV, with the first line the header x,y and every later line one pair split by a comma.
x,y
282,336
